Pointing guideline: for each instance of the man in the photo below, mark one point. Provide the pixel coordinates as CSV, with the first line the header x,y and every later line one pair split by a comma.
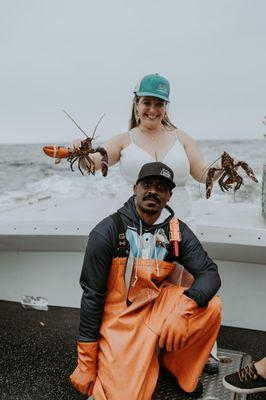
x,y
128,307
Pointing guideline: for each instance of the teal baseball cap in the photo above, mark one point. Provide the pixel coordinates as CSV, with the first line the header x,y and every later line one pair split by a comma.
x,y
153,85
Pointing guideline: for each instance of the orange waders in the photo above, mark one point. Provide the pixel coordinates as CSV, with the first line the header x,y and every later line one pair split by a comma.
x,y
128,365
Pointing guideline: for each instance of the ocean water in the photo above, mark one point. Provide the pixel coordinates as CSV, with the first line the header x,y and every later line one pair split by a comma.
x,y
28,175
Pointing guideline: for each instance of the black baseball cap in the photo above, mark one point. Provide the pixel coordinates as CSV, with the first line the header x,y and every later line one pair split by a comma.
x,y
158,170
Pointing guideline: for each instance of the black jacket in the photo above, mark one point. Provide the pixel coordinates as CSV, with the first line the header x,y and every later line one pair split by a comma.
x,y
101,249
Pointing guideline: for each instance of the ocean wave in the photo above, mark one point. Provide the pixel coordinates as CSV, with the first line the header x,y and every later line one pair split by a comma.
x,y
28,175
89,187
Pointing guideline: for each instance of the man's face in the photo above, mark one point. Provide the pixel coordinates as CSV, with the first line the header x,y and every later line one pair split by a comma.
x,y
152,194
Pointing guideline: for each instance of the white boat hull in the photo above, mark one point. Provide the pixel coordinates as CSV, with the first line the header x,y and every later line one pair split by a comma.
x,y
42,258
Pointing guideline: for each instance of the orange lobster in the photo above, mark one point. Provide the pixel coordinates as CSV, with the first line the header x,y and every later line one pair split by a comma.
x,y
80,153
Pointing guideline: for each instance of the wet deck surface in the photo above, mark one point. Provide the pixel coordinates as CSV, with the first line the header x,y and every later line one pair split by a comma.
x,y
38,353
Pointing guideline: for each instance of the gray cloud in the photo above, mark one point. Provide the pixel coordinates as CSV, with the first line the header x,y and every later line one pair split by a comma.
x,y
86,57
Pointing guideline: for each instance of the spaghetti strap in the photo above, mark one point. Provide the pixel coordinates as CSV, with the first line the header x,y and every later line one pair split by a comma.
x,y
130,137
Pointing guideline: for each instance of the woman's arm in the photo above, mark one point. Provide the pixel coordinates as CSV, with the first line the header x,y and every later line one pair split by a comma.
x,y
198,167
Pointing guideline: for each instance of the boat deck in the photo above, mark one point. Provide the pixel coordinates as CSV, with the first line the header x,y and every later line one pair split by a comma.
x,y
38,354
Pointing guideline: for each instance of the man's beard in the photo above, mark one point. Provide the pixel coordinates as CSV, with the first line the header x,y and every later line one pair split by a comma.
x,y
149,211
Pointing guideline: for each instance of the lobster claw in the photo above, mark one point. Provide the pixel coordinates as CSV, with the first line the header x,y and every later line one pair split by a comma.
x,y
56,151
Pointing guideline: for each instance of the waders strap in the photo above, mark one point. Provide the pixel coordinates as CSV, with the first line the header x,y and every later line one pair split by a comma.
x,y
175,234
122,249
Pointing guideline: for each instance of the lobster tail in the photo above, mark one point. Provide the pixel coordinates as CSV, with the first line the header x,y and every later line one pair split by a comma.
x,y
56,151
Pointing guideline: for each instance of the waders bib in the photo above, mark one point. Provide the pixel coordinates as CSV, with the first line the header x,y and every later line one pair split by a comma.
x,y
128,359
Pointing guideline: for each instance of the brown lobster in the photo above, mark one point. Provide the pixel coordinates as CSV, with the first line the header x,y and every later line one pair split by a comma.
x,y
81,153
229,174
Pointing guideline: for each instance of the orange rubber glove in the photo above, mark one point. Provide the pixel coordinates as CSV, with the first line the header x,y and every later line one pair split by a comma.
x,y
84,376
175,328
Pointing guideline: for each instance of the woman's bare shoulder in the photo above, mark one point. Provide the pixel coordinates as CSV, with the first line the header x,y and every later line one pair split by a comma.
x,y
120,139
184,137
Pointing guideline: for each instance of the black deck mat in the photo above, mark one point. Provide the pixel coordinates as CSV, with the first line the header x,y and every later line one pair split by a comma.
x,y
38,353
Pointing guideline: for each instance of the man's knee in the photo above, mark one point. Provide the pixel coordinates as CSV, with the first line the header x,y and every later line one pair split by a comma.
x,y
215,307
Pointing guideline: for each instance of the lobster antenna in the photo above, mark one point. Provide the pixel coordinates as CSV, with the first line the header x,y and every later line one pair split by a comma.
x,y
97,126
206,169
75,123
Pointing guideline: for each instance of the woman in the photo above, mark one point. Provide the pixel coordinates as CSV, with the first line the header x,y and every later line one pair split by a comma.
x,y
151,137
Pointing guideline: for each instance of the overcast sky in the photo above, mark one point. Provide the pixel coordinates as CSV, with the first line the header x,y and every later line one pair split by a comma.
x,y
86,56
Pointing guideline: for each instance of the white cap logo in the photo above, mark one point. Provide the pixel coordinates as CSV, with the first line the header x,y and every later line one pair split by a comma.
x,y
166,173
162,88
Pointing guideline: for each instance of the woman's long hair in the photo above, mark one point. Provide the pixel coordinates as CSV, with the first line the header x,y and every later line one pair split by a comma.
x,y
134,120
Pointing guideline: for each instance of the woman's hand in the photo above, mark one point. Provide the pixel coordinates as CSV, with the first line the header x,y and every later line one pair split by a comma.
x,y
75,144
234,157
